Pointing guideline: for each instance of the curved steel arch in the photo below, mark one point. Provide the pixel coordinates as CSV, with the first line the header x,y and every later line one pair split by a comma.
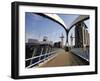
x,y
58,20
78,20
55,18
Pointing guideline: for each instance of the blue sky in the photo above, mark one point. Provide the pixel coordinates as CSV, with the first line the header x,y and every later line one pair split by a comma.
x,y
68,19
36,27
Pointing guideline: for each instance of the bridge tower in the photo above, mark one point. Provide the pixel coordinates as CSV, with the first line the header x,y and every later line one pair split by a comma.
x,y
62,40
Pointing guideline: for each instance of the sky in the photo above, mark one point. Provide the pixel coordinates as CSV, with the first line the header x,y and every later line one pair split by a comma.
x,y
36,27
68,18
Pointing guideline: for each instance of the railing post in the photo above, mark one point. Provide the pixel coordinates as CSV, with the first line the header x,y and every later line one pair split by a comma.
x,y
33,55
46,53
41,54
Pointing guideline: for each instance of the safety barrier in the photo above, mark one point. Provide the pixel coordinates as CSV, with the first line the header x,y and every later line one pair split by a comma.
x,y
40,58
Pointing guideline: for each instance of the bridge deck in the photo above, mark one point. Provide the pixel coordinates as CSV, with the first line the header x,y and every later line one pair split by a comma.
x,y
64,59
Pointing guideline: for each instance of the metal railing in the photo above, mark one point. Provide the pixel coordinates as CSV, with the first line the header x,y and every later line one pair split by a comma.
x,y
40,58
81,52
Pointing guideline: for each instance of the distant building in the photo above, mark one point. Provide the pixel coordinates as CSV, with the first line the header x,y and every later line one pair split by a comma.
x,y
87,38
45,38
78,36
81,35
62,40
71,40
58,44
33,41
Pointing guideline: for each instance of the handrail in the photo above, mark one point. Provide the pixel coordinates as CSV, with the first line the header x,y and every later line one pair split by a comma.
x,y
39,61
41,57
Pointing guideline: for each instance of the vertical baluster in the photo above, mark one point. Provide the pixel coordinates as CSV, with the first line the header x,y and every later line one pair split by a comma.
x,y
45,53
50,50
41,54
48,53
33,55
